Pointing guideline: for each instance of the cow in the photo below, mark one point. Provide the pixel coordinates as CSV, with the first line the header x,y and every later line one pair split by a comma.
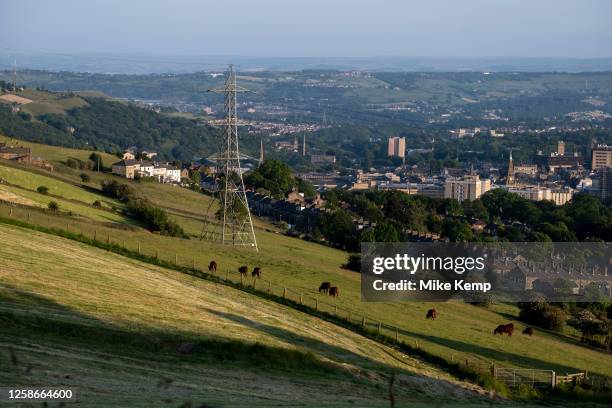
x,y
243,270
212,267
256,272
324,287
334,291
504,329
431,314
528,331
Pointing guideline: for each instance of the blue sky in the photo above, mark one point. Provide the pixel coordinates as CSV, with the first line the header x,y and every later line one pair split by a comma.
x,y
312,28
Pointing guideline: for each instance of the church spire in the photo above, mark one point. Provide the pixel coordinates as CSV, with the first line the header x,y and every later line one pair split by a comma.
x,y
261,151
510,176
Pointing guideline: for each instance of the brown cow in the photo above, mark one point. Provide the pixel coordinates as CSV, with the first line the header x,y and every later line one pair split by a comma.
x,y
243,270
212,267
334,291
528,331
256,272
431,314
324,287
504,329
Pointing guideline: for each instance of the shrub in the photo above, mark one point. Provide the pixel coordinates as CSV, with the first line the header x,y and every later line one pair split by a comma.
x,y
154,218
354,262
43,190
53,206
85,178
97,204
114,189
542,314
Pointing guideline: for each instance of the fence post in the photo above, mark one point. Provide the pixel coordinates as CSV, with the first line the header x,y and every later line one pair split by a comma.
x,y
363,321
396,334
95,234
553,379
284,293
241,279
335,310
269,286
193,263
138,247
107,236
124,244
156,253
254,280
301,299
28,216
349,316
316,304
11,212
226,274
379,327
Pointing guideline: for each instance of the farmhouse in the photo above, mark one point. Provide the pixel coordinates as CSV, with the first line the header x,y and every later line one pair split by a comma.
x,y
126,168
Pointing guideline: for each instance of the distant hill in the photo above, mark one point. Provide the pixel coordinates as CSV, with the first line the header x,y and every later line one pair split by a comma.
x,y
89,122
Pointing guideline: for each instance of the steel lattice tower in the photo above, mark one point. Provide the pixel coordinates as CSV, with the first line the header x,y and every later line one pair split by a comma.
x,y
234,215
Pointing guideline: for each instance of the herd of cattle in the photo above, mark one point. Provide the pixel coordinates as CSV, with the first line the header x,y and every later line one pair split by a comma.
x,y
326,287
501,329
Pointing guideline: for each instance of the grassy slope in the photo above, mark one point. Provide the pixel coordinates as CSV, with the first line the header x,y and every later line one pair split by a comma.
x,y
462,331
69,283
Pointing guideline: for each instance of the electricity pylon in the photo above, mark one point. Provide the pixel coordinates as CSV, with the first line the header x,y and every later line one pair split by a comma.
x,y
234,214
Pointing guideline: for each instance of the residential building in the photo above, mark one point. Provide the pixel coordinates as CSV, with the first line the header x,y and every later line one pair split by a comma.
x,y
526,169
173,174
396,147
126,168
21,154
560,196
466,188
601,156
127,155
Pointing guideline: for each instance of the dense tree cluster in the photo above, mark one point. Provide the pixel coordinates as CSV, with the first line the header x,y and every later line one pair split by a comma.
x,y
275,178
387,216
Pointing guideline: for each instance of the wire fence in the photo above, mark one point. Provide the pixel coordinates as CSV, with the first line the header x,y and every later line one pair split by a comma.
x,y
101,234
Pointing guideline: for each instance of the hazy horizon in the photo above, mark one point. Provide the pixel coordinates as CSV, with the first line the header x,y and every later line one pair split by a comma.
x,y
315,29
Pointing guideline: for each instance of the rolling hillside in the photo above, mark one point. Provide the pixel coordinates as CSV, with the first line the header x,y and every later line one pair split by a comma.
x,y
82,318
462,332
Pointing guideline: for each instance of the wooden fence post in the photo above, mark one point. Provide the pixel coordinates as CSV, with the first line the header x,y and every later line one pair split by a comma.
x,y
241,279
335,310
379,327
269,286
28,216
363,321
11,212
553,379
254,280
138,247
95,234
349,316
157,253
107,236
301,299
227,274
396,334
284,293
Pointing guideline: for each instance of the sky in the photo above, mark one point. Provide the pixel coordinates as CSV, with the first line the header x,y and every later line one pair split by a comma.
x,y
311,28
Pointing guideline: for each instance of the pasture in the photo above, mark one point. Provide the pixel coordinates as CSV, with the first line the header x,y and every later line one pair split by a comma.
x,y
118,331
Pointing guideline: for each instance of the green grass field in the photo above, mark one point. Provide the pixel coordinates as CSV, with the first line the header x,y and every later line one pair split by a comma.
x,y
461,331
110,327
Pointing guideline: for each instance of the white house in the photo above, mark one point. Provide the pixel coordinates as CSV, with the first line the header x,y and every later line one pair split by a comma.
x,y
173,174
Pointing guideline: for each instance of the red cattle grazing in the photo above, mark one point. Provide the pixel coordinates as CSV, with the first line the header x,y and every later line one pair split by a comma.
x,y
528,331
212,267
431,314
504,329
324,287
243,270
256,272
334,291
